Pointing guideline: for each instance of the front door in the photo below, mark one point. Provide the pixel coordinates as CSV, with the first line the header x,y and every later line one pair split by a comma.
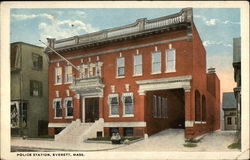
x,y
91,109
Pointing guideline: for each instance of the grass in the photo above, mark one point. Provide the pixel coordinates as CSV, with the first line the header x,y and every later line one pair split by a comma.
x,y
190,145
234,145
109,138
42,136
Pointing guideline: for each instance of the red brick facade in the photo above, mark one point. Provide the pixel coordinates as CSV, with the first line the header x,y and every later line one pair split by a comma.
x,y
190,61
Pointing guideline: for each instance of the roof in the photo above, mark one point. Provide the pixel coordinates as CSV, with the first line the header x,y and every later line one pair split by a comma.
x,y
228,100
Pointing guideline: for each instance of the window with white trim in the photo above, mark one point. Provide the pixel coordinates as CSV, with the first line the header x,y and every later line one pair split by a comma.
x,y
137,64
113,102
57,107
58,75
120,70
68,105
170,60
156,62
68,74
128,104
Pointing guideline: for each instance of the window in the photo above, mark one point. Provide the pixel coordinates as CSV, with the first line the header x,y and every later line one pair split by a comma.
x,y
68,107
170,60
235,120
24,115
159,107
164,108
58,108
203,108
120,66
128,131
229,120
37,61
138,64
113,105
156,62
68,74
58,75
127,99
113,130
154,106
197,106
36,88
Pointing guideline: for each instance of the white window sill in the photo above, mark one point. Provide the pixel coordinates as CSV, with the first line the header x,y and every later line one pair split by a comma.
x,y
113,116
68,82
120,76
170,71
69,117
137,75
57,117
56,84
155,73
200,122
128,115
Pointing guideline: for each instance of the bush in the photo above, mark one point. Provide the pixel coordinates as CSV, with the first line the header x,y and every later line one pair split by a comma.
x,y
190,145
234,145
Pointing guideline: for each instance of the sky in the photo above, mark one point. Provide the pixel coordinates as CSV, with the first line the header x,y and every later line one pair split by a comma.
x,y
216,26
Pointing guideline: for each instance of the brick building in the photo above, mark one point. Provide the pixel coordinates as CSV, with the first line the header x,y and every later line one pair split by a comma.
x,y
136,79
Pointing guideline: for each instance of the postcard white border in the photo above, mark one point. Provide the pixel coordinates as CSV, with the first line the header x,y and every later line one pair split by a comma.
x,y
5,75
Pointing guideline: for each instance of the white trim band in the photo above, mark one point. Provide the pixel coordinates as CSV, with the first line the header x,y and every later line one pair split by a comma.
x,y
58,124
125,124
189,123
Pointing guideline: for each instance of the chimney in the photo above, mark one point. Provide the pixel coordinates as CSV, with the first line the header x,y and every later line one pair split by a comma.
x,y
211,70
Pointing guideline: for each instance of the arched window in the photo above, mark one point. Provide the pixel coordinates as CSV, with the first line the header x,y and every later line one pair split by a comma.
x,y
203,108
197,106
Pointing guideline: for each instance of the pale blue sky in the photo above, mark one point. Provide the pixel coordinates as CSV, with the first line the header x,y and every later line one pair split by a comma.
x,y
217,28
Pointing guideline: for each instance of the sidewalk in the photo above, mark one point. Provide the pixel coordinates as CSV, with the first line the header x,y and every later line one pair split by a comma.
x,y
164,141
50,145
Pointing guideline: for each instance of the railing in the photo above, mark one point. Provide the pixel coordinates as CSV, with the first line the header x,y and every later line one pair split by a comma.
x,y
185,15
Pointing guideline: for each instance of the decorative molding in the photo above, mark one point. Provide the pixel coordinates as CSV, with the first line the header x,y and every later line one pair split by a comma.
x,y
112,88
127,87
163,83
57,93
189,123
125,124
121,49
77,96
67,93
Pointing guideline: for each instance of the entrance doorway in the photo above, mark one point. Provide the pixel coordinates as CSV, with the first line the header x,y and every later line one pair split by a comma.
x,y
91,109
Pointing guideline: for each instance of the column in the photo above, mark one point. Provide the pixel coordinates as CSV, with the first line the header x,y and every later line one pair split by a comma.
x,y
189,118
83,109
101,105
77,107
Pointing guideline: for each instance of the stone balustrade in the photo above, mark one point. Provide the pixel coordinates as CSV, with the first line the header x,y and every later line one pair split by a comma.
x,y
185,15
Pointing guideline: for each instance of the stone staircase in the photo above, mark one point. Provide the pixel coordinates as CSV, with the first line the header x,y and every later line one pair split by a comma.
x,y
77,132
